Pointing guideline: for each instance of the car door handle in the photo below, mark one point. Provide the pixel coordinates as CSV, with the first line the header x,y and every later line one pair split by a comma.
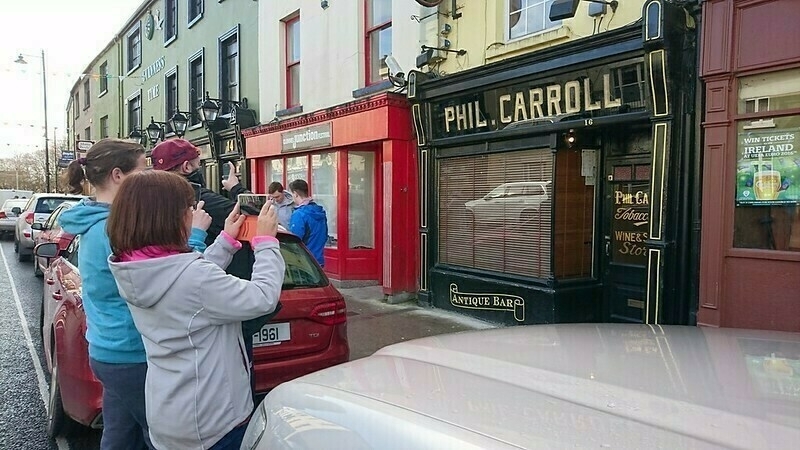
x,y
50,281
58,296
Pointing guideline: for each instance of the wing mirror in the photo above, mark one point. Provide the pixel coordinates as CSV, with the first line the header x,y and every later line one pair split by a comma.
x,y
37,226
16,210
46,250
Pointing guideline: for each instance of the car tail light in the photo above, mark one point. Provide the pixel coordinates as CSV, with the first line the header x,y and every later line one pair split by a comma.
x,y
331,313
29,218
2,214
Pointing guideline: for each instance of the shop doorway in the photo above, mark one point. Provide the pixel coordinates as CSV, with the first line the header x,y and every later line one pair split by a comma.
x,y
626,222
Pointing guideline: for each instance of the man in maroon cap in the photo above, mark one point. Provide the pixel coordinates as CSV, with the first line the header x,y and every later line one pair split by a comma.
x,y
182,157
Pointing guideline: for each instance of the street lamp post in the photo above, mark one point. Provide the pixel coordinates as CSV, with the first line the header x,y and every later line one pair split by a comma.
x,y
21,60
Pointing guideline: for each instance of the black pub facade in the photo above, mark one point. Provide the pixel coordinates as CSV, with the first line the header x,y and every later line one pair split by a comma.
x,y
563,185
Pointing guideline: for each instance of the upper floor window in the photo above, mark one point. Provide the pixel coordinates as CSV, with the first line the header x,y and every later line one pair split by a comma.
x,y
378,39
104,77
76,105
196,88
195,10
170,19
134,49
103,127
528,17
229,72
87,133
171,101
87,93
135,113
293,62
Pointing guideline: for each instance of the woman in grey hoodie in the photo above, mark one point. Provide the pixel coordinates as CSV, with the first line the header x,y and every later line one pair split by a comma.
x,y
189,310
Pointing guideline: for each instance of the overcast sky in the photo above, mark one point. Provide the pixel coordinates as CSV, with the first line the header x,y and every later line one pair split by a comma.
x,y
71,32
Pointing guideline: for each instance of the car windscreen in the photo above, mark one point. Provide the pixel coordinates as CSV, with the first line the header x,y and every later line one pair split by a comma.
x,y
301,269
11,204
48,205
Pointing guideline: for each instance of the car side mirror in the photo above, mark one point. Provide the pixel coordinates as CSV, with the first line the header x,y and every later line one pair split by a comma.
x,y
37,226
16,210
46,250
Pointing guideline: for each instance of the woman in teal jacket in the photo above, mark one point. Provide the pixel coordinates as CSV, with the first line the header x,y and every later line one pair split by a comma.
x,y
116,352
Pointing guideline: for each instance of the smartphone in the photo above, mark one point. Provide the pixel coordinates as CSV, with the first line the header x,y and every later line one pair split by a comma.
x,y
251,204
197,187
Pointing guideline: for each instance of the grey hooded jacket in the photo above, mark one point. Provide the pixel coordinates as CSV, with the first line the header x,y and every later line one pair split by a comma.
x,y
189,312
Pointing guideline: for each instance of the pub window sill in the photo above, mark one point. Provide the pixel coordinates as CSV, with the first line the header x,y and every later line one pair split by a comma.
x,y
372,89
102,94
757,253
289,111
171,40
196,126
530,43
133,69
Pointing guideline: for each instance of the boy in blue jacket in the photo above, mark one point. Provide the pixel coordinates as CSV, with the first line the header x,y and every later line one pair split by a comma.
x,y
309,221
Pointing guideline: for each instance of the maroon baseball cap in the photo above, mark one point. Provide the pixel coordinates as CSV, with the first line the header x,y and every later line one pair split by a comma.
x,y
172,153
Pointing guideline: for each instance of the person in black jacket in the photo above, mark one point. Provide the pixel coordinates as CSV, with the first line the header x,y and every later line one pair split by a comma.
x,y
182,157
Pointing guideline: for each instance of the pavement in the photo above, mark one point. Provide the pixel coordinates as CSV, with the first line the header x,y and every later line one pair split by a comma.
x,y
372,323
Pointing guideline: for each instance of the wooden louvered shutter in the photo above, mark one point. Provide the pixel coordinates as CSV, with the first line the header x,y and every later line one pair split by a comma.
x,y
495,212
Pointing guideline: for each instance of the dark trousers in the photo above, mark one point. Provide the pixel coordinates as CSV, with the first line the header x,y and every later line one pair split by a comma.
x,y
124,417
232,440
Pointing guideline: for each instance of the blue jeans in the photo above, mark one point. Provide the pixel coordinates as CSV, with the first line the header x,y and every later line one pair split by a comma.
x,y
232,440
124,417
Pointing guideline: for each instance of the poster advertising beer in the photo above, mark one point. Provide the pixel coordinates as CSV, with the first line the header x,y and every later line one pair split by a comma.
x,y
768,170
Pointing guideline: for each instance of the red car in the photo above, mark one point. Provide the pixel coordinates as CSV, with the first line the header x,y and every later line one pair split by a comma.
x,y
50,231
308,334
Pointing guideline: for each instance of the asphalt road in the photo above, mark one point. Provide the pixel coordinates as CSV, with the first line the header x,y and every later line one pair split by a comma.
x,y
24,379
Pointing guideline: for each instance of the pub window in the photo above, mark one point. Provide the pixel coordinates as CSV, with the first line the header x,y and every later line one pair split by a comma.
x,y
196,87
767,213
527,17
103,78
275,172
575,213
323,184
495,212
378,39
296,169
103,127
134,113
87,133
76,102
229,79
170,20
134,43
361,199
171,100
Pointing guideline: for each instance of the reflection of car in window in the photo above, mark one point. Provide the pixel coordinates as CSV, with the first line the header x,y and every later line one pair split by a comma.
x,y
510,201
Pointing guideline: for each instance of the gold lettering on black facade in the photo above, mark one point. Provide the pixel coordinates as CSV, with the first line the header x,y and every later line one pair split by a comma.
x,y
631,217
496,302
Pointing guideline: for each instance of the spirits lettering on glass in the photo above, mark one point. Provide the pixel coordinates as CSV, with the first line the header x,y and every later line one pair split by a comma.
x,y
631,218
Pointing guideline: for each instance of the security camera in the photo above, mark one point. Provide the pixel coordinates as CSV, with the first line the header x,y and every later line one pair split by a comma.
x,y
394,67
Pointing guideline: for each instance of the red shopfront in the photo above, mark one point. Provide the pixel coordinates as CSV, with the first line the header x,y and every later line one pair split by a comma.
x,y
359,160
750,252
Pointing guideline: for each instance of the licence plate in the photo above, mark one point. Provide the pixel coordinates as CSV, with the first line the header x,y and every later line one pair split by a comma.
x,y
272,334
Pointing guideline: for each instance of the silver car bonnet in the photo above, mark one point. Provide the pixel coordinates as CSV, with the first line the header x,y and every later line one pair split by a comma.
x,y
564,386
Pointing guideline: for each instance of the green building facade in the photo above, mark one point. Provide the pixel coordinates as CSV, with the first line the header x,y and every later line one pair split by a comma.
x,y
174,56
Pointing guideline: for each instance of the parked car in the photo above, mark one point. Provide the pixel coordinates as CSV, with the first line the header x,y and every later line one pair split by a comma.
x,y
51,231
8,218
308,334
548,386
510,201
37,210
